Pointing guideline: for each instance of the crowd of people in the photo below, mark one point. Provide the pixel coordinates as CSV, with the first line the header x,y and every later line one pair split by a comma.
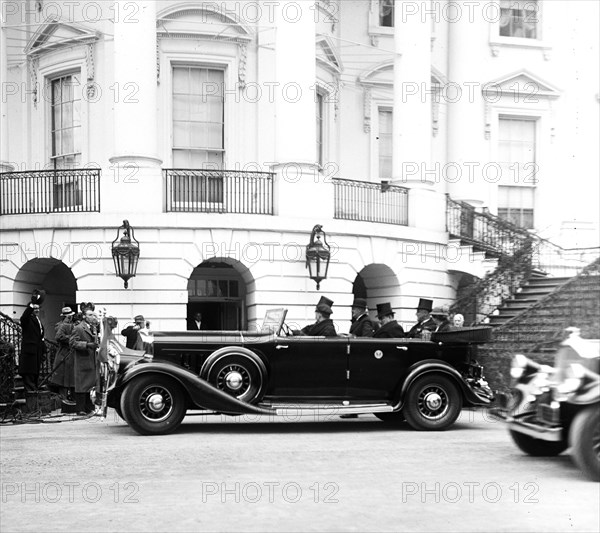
x,y
82,349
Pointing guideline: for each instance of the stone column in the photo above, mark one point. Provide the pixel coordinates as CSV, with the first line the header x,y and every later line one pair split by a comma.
x,y
136,166
466,141
299,190
412,115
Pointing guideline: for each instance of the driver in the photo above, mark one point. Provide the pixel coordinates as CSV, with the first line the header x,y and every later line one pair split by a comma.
x,y
323,325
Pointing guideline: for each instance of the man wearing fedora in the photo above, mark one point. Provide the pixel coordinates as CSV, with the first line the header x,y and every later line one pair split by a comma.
x,y
441,318
323,325
131,332
362,325
63,373
390,329
84,342
424,320
33,347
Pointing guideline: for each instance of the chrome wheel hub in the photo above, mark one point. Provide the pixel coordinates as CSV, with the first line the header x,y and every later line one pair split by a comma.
x,y
433,400
234,380
156,402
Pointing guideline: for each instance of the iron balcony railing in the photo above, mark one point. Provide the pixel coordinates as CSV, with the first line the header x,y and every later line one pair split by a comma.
x,y
483,230
370,202
218,191
50,191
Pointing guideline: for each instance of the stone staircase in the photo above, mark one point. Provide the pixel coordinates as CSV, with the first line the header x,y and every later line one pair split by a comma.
x,y
535,289
466,258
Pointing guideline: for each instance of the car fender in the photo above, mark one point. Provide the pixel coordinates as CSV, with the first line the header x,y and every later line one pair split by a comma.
x,y
202,394
435,366
233,350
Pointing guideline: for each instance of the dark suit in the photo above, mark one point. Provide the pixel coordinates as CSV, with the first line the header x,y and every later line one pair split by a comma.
x,y
415,331
33,349
444,326
323,328
391,330
362,326
131,334
192,326
64,366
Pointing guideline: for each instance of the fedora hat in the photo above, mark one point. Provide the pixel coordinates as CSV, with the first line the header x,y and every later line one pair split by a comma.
x,y
425,304
67,311
360,303
384,309
441,311
138,318
324,306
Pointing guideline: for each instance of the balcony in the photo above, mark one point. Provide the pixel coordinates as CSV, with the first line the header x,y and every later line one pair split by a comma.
x,y
218,191
370,202
50,191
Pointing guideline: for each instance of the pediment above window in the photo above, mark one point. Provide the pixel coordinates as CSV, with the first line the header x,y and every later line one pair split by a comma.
x,y
57,34
523,84
327,55
201,20
381,75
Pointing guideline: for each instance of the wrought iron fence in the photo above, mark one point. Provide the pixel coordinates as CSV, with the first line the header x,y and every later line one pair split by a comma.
x,y
370,202
50,191
218,191
483,230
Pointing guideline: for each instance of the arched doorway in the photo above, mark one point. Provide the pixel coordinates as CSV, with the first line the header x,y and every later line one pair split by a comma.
x,y
377,283
218,288
53,276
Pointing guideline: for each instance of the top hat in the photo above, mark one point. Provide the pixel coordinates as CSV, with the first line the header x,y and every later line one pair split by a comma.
x,y
360,303
384,309
425,304
67,311
324,306
38,296
138,318
441,312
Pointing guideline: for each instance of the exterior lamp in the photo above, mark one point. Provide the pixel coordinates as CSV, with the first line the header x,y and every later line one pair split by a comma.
x,y
126,253
317,255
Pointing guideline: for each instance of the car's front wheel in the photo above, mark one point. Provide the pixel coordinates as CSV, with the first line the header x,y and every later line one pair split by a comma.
x,y
153,404
584,437
537,447
433,403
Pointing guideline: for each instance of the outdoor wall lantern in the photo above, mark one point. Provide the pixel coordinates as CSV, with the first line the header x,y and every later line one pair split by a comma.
x,y
318,255
126,253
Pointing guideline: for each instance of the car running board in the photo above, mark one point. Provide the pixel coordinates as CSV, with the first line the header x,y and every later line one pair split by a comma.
x,y
301,409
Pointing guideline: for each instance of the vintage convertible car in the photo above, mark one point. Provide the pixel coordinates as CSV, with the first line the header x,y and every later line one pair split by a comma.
x,y
270,372
552,408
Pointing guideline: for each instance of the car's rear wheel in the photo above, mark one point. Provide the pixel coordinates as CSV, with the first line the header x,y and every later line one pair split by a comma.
x,y
153,404
584,437
433,403
237,375
537,447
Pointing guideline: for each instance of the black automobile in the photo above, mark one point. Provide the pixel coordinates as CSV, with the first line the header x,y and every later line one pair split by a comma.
x,y
426,382
553,408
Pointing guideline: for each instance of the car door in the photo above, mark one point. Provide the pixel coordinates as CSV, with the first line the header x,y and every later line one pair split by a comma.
x,y
307,368
377,366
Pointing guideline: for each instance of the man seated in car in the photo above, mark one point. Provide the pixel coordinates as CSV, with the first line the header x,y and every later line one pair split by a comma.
x,y
323,325
390,329
440,316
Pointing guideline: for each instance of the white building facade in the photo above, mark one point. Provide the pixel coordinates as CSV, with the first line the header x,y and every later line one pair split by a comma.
x,y
224,131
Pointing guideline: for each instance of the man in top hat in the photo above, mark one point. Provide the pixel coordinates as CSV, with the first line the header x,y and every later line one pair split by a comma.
x,y
441,318
424,320
362,325
390,329
63,373
33,347
131,332
323,325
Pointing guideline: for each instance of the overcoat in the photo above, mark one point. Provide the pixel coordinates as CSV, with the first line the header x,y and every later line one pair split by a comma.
x,y
415,331
391,330
64,372
362,326
85,358
323,328
33,347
